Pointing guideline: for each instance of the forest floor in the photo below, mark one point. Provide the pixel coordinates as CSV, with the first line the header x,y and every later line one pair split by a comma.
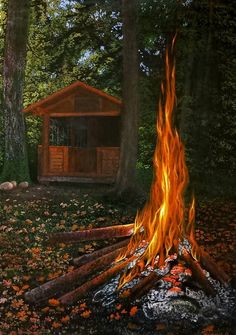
x,y
27,260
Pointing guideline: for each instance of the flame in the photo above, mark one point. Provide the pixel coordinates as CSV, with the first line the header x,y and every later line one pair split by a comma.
x,y
161,223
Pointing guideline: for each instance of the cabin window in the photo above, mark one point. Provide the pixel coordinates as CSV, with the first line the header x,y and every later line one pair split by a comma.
x,y
69,132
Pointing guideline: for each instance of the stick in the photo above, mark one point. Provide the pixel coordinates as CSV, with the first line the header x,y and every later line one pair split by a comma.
x,y
92,234
82,290
98,253
198,273
66,282
209,264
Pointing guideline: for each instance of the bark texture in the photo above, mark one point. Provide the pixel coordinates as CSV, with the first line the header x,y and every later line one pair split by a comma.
x,y
125,180
16,160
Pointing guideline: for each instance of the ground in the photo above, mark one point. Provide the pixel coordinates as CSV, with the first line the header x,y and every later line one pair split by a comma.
x,y
27,260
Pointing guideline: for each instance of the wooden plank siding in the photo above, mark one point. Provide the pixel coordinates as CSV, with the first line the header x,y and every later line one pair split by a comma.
x,y
72,161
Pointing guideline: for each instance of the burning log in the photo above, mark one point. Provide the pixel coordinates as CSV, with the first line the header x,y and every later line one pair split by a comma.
x,y
66,282
143,286
198,274
92,234
209,264
98,253
82,290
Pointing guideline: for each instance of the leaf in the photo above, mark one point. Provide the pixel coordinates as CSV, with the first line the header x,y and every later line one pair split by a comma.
x,y
16,288
65,319
54,302
118,307
74,227
56,324
28,221
133,310
117,316
86,314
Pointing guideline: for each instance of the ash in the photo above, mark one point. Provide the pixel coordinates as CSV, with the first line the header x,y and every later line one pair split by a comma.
x,y
173,298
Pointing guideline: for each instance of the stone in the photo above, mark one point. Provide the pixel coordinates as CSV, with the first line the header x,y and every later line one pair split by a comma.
x,y
24,184
14,183
6,186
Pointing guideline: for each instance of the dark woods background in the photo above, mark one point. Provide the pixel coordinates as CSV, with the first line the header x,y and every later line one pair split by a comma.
x,y
82,40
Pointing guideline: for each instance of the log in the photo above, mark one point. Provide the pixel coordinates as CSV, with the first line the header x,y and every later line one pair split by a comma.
x,y
98,253
82,290
92,234
143,286
68,281
209,264
198,274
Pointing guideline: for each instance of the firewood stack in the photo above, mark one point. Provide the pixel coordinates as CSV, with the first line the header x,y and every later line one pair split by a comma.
x,y
78,283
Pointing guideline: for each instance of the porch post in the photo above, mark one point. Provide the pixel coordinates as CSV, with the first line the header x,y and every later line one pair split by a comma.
x,y
45,145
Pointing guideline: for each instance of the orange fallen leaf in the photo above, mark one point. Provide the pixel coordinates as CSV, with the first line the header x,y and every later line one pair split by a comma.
x,y
54,302
41,279
117,316
45,309
74,227
83,305
133,310
65,319
123,311
86,314
16,288
118,307
26,278
25,287
56,325
66,256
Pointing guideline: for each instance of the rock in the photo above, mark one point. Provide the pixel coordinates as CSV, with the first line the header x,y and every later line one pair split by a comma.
x,y
6,186
14,183
24,184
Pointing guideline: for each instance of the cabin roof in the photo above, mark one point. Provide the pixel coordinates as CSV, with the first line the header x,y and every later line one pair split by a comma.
x,y
66,91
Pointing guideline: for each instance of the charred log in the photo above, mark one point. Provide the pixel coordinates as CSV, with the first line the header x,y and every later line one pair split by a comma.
x,y
70,280
92,234
98,253
83,290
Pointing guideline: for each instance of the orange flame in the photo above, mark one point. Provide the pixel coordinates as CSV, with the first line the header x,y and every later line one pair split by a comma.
x,y
161,222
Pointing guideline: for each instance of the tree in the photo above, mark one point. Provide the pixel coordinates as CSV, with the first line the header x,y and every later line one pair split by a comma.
x,y
15,158
125,180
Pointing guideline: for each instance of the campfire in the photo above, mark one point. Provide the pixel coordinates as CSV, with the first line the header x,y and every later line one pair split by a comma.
x,y
158,250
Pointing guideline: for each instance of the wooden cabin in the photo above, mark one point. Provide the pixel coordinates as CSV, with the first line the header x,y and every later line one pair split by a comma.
x,y
80,135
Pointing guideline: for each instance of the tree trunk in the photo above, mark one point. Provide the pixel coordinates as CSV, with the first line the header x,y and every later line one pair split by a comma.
x,y
16,160
125,181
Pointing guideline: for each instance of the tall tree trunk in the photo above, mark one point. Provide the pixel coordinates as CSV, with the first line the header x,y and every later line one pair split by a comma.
x,y
16,160
126,177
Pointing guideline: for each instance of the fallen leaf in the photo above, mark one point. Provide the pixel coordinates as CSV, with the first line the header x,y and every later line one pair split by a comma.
x,y
54,302
86,314
133,310
56,324
65,319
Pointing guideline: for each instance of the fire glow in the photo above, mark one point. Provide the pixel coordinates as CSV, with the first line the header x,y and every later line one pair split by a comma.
x,y
161,224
